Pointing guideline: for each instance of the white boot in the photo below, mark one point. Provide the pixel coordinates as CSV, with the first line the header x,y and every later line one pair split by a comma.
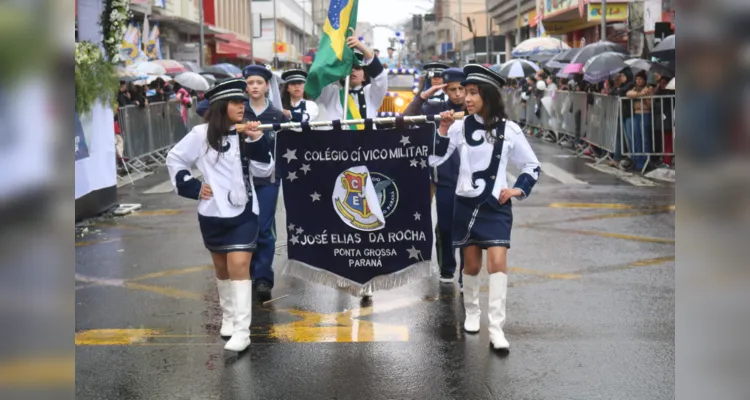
x,y
471,303
498,296
227,309
242,292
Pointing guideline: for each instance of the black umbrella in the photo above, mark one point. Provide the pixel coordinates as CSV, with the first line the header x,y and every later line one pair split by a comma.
x,y
597,48
600,67
518,69
541,58
561,59
218,72
665,49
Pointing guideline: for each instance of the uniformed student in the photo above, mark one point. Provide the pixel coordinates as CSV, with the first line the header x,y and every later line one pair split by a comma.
x,y
435,78
368,84
261,109
443,179
228,204
296,107
486,141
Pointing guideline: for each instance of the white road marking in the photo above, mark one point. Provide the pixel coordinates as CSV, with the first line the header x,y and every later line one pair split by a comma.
x,y
633,179
561,175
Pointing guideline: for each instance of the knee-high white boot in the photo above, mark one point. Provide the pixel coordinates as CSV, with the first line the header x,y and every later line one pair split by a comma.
x,y
242,292
227,309
471,303
498,296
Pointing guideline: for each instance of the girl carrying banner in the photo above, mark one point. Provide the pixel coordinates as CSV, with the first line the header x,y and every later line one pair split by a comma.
x,y
228,208
486,141
296,107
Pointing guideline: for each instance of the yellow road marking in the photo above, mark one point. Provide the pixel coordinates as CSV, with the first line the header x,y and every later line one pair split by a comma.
x,y
597,217
549,275
36,372
652,261
163,290
120,337
172,272
343,327
610,235
89,243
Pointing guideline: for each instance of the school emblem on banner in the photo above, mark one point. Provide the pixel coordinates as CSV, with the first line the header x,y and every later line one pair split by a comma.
x,y
358,206
356,200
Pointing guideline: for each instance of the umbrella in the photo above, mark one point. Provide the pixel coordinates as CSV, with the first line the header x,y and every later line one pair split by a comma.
x,y
518,69
217,72
576,68
541,58
567,58
638,64
539,45
229,69
147,68
554,62
604,65
670,85
209,78
191,66
192,80
171,66
597,48
665,49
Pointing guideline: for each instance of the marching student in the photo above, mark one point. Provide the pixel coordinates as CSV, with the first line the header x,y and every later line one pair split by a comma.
x,y
443,180
228,205
486,141
260,109
368,84
435,78
296,107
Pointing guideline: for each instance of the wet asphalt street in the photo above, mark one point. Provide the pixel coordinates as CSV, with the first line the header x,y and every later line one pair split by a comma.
x,y
590,309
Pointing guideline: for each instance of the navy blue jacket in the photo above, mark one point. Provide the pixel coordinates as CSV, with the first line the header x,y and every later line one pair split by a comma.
x,y
271,115
447,173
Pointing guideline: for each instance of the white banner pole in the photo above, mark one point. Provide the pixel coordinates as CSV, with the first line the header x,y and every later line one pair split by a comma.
x,y
417,119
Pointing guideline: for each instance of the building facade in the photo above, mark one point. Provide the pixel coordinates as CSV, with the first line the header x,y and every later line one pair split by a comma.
x,y
289,37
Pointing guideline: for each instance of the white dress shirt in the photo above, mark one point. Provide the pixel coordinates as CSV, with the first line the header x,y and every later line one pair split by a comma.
x,y
222,171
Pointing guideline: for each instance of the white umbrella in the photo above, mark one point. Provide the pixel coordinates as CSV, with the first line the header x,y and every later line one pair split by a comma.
x,y
670,85
148,68
539,45
192,80
518,69
209,78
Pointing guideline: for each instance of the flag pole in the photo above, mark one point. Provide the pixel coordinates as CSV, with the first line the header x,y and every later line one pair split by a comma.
x,y
346,96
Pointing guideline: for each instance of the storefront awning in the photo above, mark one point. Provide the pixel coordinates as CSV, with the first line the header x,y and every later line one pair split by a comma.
x,y
228,44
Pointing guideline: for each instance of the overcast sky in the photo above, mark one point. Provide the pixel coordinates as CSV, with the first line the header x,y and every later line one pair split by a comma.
x,y
389,12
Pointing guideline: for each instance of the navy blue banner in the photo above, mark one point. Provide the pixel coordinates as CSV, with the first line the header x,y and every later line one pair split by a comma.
x,y
357,205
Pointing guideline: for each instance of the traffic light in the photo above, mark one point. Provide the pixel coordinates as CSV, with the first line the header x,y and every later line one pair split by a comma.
x,y
429,17
416,22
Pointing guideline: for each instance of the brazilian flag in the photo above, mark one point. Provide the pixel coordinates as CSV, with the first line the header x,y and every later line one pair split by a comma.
x,y
334,58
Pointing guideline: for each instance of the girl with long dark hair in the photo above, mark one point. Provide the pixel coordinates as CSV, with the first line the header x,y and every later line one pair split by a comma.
x,y
486,141
296,105
228,157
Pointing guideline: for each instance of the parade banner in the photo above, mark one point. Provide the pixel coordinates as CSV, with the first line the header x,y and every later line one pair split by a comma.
x,y
357,206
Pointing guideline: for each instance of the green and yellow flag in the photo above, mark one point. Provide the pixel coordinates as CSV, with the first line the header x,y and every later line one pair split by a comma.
x,y
334,58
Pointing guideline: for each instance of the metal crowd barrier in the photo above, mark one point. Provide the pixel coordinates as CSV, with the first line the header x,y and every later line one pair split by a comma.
x,y
150,132
597,121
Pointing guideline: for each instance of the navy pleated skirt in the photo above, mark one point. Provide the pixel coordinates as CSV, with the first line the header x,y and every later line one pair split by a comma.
x,y
487,225
224,235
